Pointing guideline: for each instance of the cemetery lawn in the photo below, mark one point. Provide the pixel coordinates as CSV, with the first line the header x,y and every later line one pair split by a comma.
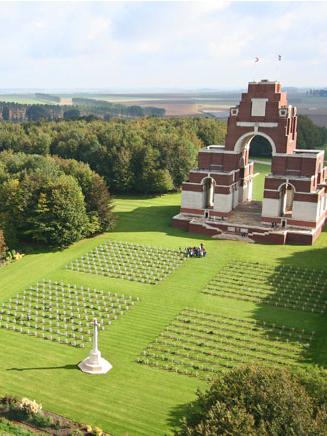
x,y
135,398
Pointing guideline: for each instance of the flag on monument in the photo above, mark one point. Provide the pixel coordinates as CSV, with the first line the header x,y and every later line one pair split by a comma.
x,y
256,60
279,57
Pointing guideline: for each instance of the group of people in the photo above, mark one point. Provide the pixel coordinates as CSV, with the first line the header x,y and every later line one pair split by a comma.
x,y
195,251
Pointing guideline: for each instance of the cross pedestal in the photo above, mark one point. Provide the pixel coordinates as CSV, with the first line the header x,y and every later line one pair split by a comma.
x,y
94,363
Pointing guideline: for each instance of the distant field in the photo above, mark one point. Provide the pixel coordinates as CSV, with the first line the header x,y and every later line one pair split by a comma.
x,y
216,103
22,99
185,104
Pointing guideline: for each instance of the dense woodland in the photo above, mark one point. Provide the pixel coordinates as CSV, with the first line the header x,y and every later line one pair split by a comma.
x,y
147,155
57,200
50,200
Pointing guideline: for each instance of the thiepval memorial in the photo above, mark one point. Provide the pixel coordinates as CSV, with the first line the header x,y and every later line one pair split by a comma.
x,y
217,198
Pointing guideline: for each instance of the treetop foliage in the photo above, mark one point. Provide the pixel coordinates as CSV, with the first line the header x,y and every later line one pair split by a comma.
x,y
259,401
310,136
145,155
51,200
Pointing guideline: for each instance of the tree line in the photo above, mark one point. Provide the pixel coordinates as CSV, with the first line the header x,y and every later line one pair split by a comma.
x,y
50,200
144,155
84,108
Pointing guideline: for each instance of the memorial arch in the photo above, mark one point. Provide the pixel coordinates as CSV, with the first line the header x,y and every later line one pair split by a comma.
x,y
219,192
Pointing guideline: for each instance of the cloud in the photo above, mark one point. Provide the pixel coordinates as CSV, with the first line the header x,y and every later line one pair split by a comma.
x,y
157,44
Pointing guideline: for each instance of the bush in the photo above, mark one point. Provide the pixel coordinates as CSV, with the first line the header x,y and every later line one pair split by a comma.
x,y
257,401
28,408
9,401
42,421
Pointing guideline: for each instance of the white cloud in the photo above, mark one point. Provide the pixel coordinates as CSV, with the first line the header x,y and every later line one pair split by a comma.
x,y
181,44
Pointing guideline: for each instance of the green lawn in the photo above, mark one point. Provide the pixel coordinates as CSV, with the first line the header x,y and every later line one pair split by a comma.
x,y
259,180
135,398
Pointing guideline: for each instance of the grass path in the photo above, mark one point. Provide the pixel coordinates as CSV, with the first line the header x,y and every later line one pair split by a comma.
x,y
134,398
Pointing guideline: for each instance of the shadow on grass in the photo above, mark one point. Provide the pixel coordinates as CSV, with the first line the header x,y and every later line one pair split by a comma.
x,y
29,248
41,368
177,413
316,352
153,219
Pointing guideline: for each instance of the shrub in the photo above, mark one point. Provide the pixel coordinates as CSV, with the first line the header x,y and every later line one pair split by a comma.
x,y
42,421
9,401
28,408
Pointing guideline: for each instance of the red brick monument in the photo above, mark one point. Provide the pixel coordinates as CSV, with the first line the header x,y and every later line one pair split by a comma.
x,y
217,198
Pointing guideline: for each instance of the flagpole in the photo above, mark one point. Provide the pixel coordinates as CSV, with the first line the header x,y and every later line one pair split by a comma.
x,y
279,60
256,61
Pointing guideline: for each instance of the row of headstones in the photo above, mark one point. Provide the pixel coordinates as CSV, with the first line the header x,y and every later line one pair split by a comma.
x,y
273,280
239,327
311,295
264,300
180,332
136,254
247,333
221,352
81,267
299,270
135,277
117,264
122,266
264,324
53,335
230,332
142,247
200,342
113,257
283,281
317,307
197,362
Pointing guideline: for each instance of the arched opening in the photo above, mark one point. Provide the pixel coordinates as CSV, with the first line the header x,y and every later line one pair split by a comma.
x,y
258,149
244,141
208,193
286,199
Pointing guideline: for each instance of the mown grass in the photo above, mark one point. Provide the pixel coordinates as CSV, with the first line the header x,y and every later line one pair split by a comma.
x,y
134,398
259,180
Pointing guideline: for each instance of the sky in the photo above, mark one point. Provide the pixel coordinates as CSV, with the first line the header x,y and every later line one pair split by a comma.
x,y
161,45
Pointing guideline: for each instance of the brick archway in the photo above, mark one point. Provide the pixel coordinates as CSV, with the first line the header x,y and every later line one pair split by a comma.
x,y
244,141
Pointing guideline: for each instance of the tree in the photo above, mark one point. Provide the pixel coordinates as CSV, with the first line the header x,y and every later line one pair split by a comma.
x,y
161,182
6,113
310,136
51,200
97,198
3,246
257,401
37,112
57,216
72,114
